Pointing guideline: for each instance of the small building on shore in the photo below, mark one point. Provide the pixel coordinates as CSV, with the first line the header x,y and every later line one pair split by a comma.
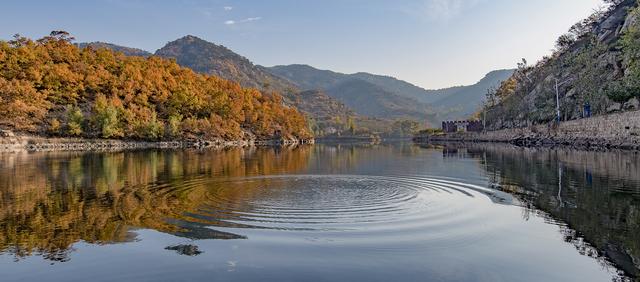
x,y
462,126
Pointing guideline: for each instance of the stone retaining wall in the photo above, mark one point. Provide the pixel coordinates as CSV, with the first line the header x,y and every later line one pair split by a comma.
x,y
619,130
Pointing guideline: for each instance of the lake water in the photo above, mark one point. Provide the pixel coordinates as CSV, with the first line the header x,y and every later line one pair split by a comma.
x,y
391,212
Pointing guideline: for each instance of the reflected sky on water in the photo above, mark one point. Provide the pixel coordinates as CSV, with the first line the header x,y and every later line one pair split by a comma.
x,y
386,212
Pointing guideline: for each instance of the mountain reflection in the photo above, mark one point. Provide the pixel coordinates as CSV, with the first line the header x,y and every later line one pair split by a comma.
x,y
593,196
49,201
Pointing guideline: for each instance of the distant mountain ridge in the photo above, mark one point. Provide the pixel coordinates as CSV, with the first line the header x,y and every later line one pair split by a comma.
x,y
462,101
368,99
122,49
449,103
364,93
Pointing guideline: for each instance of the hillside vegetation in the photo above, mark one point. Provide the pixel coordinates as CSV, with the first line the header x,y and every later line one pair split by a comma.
x,y
50,86
596,65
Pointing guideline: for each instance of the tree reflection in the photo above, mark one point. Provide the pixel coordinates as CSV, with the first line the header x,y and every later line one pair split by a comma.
x,y
593,196
49,201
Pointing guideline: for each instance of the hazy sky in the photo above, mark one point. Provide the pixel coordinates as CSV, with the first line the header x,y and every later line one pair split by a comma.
x,y
432,43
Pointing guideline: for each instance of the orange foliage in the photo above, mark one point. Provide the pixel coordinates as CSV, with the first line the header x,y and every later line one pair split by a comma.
x,y
137,96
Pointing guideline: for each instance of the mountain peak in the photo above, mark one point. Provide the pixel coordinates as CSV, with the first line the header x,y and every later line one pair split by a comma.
x,y
205,57
192,39
196,41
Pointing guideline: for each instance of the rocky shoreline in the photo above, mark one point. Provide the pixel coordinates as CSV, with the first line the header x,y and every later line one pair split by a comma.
x,y
533,140
10,142
619,131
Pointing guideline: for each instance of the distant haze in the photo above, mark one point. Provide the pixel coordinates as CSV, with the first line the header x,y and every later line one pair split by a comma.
x,y
431,43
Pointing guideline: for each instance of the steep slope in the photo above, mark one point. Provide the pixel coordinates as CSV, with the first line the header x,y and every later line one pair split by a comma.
x,y
596,66
208,58
122,49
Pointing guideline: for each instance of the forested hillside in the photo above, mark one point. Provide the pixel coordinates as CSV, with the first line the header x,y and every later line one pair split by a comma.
x,y
50,86
594,68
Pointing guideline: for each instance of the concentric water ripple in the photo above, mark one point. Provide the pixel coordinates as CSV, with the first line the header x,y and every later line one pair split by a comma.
x,y
379,208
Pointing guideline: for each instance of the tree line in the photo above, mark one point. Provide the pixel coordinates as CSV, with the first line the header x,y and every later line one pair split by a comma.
x,y
50,86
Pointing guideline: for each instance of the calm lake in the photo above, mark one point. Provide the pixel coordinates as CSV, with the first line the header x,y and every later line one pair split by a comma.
x,y
391,212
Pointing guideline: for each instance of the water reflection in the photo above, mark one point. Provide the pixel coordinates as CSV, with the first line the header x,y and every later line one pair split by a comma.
x,y
358,212
49,201
593,196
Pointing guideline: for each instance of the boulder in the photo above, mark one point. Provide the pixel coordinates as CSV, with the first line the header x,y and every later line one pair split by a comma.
x,y
615,107
6,133
632,104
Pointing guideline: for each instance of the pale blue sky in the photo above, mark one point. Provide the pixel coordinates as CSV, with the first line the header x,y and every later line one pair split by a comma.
x,y
432,43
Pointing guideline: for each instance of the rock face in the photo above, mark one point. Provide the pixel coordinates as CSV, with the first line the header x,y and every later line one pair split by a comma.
x,y
594,69
609,29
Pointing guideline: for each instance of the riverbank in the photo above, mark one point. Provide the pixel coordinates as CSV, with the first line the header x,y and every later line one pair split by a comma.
x,y
619,130
10,142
